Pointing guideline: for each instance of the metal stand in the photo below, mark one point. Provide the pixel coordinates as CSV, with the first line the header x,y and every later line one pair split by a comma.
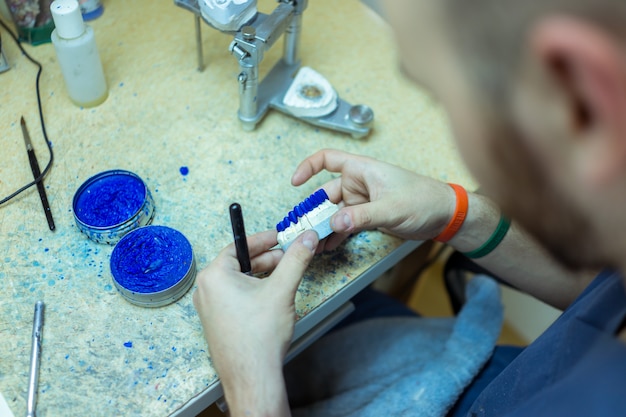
x,y
249,46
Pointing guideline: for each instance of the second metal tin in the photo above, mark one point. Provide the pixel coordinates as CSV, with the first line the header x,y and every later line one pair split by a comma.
x,y
153,266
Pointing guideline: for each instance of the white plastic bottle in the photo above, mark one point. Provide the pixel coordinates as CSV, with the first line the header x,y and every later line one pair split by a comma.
x,y
75,45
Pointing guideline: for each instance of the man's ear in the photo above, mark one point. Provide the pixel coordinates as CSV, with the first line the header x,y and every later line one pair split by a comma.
x,y
588,65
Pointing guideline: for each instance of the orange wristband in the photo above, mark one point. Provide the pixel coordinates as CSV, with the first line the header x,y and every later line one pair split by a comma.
x,y
459,215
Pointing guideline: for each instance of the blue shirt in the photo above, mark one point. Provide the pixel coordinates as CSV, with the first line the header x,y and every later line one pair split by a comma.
x,y
576,368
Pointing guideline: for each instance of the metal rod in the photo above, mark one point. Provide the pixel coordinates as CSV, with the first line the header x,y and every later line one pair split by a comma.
x,y
199,43
291,49
35,354
248,90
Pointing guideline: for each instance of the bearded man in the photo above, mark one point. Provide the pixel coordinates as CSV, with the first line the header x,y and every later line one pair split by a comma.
x,y
536,94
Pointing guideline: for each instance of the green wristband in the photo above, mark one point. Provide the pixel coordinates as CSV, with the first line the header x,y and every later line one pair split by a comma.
x,y
493,241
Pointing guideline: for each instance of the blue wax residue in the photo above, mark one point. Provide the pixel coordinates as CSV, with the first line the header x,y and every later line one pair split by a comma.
x,y
110,200
151,259
184,171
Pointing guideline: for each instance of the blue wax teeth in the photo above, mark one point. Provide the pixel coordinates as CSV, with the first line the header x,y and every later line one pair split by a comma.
x,y
313,213
303,208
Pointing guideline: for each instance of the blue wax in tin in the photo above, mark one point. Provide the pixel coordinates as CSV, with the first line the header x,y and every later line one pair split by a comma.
x,y
151,259
110,200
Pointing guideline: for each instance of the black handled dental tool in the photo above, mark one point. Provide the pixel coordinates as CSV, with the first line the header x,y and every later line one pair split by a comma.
x,y
34,166
239,233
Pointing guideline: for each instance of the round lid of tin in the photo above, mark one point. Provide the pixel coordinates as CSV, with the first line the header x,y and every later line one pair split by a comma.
x,y
153,266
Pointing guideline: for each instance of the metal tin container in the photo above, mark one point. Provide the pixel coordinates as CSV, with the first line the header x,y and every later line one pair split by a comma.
x,y
153,266
111,204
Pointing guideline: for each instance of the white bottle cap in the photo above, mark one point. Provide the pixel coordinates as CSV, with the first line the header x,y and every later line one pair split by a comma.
x,y
67,18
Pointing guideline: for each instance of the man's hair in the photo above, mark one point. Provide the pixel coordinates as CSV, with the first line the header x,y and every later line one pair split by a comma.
x,y
490,34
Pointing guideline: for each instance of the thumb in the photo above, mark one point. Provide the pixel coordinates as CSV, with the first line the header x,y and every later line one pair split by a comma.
x,y
366,216
289,271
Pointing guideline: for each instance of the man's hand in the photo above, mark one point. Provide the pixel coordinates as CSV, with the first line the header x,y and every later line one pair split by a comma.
x,y
379,195
248,322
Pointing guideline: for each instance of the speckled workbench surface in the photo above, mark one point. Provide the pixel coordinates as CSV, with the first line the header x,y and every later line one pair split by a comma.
x,y
102,355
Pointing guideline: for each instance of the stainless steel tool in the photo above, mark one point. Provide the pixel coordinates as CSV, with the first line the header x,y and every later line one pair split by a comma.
x,y
256,97
35,353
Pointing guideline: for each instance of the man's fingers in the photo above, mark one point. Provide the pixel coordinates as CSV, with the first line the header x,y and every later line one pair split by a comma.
x,y
261,242
266,261
289,271
328,159
257,244
366,216
333,189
